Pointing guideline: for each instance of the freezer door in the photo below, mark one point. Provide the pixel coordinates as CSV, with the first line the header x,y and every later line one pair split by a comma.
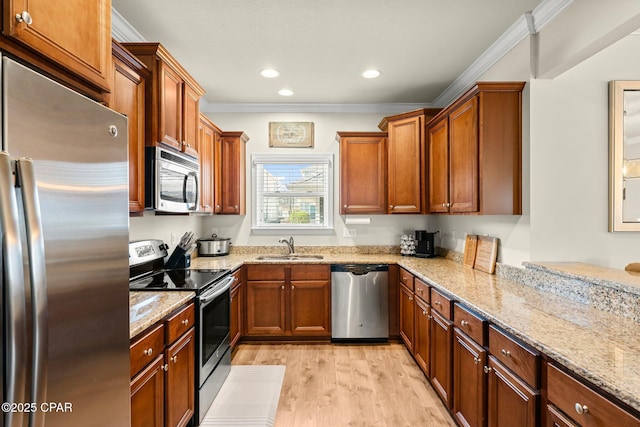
x,y
79,152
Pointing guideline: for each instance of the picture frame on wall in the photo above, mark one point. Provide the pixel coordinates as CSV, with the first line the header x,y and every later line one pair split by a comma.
x,y
291,134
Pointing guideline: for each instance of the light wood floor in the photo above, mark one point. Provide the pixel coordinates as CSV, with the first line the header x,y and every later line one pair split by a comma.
x,y
348,385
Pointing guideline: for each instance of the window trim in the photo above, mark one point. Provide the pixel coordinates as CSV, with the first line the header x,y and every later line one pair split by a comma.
x,y
323,158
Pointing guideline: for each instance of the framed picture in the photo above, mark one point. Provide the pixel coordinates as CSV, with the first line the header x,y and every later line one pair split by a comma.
x,y
291,134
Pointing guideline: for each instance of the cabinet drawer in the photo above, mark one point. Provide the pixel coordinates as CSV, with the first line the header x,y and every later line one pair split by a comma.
x,y
145,349
441,303
310,272
406,278
522,361
238,276
265,272
585,406
179,323
422,290
469,323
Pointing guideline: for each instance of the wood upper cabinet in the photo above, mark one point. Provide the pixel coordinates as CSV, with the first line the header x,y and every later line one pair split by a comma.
x,y
206,148
288,300
475,152
406,184
73,35
172,96
363,172
127,97
232,197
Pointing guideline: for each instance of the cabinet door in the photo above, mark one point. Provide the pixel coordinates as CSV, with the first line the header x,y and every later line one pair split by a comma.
x,y
405,165
421,344
171,107
463,158
73,33
407,308
127,97
217,172
441,340
363,175
147,396
469,381
265,308
311,307
180,358
206,147
439,166
511,402
190,121
233,180
235,327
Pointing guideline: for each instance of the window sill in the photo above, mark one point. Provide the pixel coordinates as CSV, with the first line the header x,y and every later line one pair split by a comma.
x,y
293,231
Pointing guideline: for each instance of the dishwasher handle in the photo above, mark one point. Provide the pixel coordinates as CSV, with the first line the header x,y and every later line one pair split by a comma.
x,y
358,269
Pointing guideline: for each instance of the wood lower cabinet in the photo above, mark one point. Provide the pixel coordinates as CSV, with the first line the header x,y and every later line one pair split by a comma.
x,y
422,335
237,309
363,172
73,36
288,300
469,381
172,115
127,97
407,316
511,402
441,330
232,197
475,152
163,370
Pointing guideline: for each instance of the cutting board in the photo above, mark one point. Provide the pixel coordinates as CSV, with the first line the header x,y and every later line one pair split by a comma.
x,y
470,245
486,254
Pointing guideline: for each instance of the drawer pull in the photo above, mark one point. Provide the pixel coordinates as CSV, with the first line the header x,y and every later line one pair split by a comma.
x,y
582,409
419,290
438,303
410,298
464,323
487,369
148,352
429,317
476,360
506,352
185,322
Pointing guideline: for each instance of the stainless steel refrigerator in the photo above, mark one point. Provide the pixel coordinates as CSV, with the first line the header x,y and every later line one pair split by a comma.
x,y
64,224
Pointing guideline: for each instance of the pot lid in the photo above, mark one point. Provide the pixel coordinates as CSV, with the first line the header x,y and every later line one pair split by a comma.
x,y
214,237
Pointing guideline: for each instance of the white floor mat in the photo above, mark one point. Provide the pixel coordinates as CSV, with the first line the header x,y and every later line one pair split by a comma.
x,y
248,397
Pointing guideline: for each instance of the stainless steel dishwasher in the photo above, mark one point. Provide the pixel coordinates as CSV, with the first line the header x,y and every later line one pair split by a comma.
x,y
360,302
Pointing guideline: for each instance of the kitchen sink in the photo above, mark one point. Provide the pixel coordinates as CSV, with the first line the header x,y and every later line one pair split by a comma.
x,y
291,257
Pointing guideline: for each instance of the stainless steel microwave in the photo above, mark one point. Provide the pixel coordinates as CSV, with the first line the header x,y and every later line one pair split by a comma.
x,y
171,181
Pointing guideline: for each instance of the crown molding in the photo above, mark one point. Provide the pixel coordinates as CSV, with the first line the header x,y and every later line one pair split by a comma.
x,y
384,108
519,31
122,31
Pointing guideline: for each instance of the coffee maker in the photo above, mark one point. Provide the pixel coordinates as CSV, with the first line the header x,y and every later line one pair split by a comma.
x,y
425,244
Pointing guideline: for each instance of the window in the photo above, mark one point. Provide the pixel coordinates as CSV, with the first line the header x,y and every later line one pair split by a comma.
x,y
293,192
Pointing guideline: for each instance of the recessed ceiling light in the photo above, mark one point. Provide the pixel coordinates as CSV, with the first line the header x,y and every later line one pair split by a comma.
x,y
371,74
269,73
285,92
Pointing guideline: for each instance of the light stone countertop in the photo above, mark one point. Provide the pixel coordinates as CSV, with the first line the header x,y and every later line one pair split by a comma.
x,y
148,307
602,347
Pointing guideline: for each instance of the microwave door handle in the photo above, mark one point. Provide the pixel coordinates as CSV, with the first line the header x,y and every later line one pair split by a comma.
x,y
184,190
218,291
15,331
38,276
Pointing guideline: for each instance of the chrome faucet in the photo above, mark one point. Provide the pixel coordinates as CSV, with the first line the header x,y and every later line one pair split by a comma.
x,y
289,244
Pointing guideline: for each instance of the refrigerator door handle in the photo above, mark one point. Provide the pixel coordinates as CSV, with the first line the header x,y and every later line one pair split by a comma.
x,y
14,304
37,274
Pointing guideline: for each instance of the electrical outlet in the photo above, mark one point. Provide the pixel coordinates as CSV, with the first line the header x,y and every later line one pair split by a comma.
x,y
174,238
349,232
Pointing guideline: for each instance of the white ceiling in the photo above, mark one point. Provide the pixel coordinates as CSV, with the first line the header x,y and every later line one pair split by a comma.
x,y
321,47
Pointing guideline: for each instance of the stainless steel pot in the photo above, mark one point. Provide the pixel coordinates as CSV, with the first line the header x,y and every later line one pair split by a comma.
x,y
214,246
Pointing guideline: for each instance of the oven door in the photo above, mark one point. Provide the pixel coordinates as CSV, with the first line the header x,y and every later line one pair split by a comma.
x,y
215,318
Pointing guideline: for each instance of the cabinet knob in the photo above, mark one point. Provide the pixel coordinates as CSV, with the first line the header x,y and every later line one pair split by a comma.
x,y
24,17
581,409
185,322
174,359
390,206
410,298
438,303
345,206
429,317
148,352
446,205
292,287
424,312
487,369
505,352
463,323
476,360
282,287
217,206
165,367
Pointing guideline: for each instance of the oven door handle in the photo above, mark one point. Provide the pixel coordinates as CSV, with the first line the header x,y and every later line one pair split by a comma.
x,y
219,290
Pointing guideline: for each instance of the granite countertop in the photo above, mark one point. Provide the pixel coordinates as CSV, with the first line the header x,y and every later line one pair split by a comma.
x,y
597,345
147,308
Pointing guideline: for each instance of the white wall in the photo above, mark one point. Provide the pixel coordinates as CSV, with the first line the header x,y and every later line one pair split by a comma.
x,y
168,228
383,230
569,161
